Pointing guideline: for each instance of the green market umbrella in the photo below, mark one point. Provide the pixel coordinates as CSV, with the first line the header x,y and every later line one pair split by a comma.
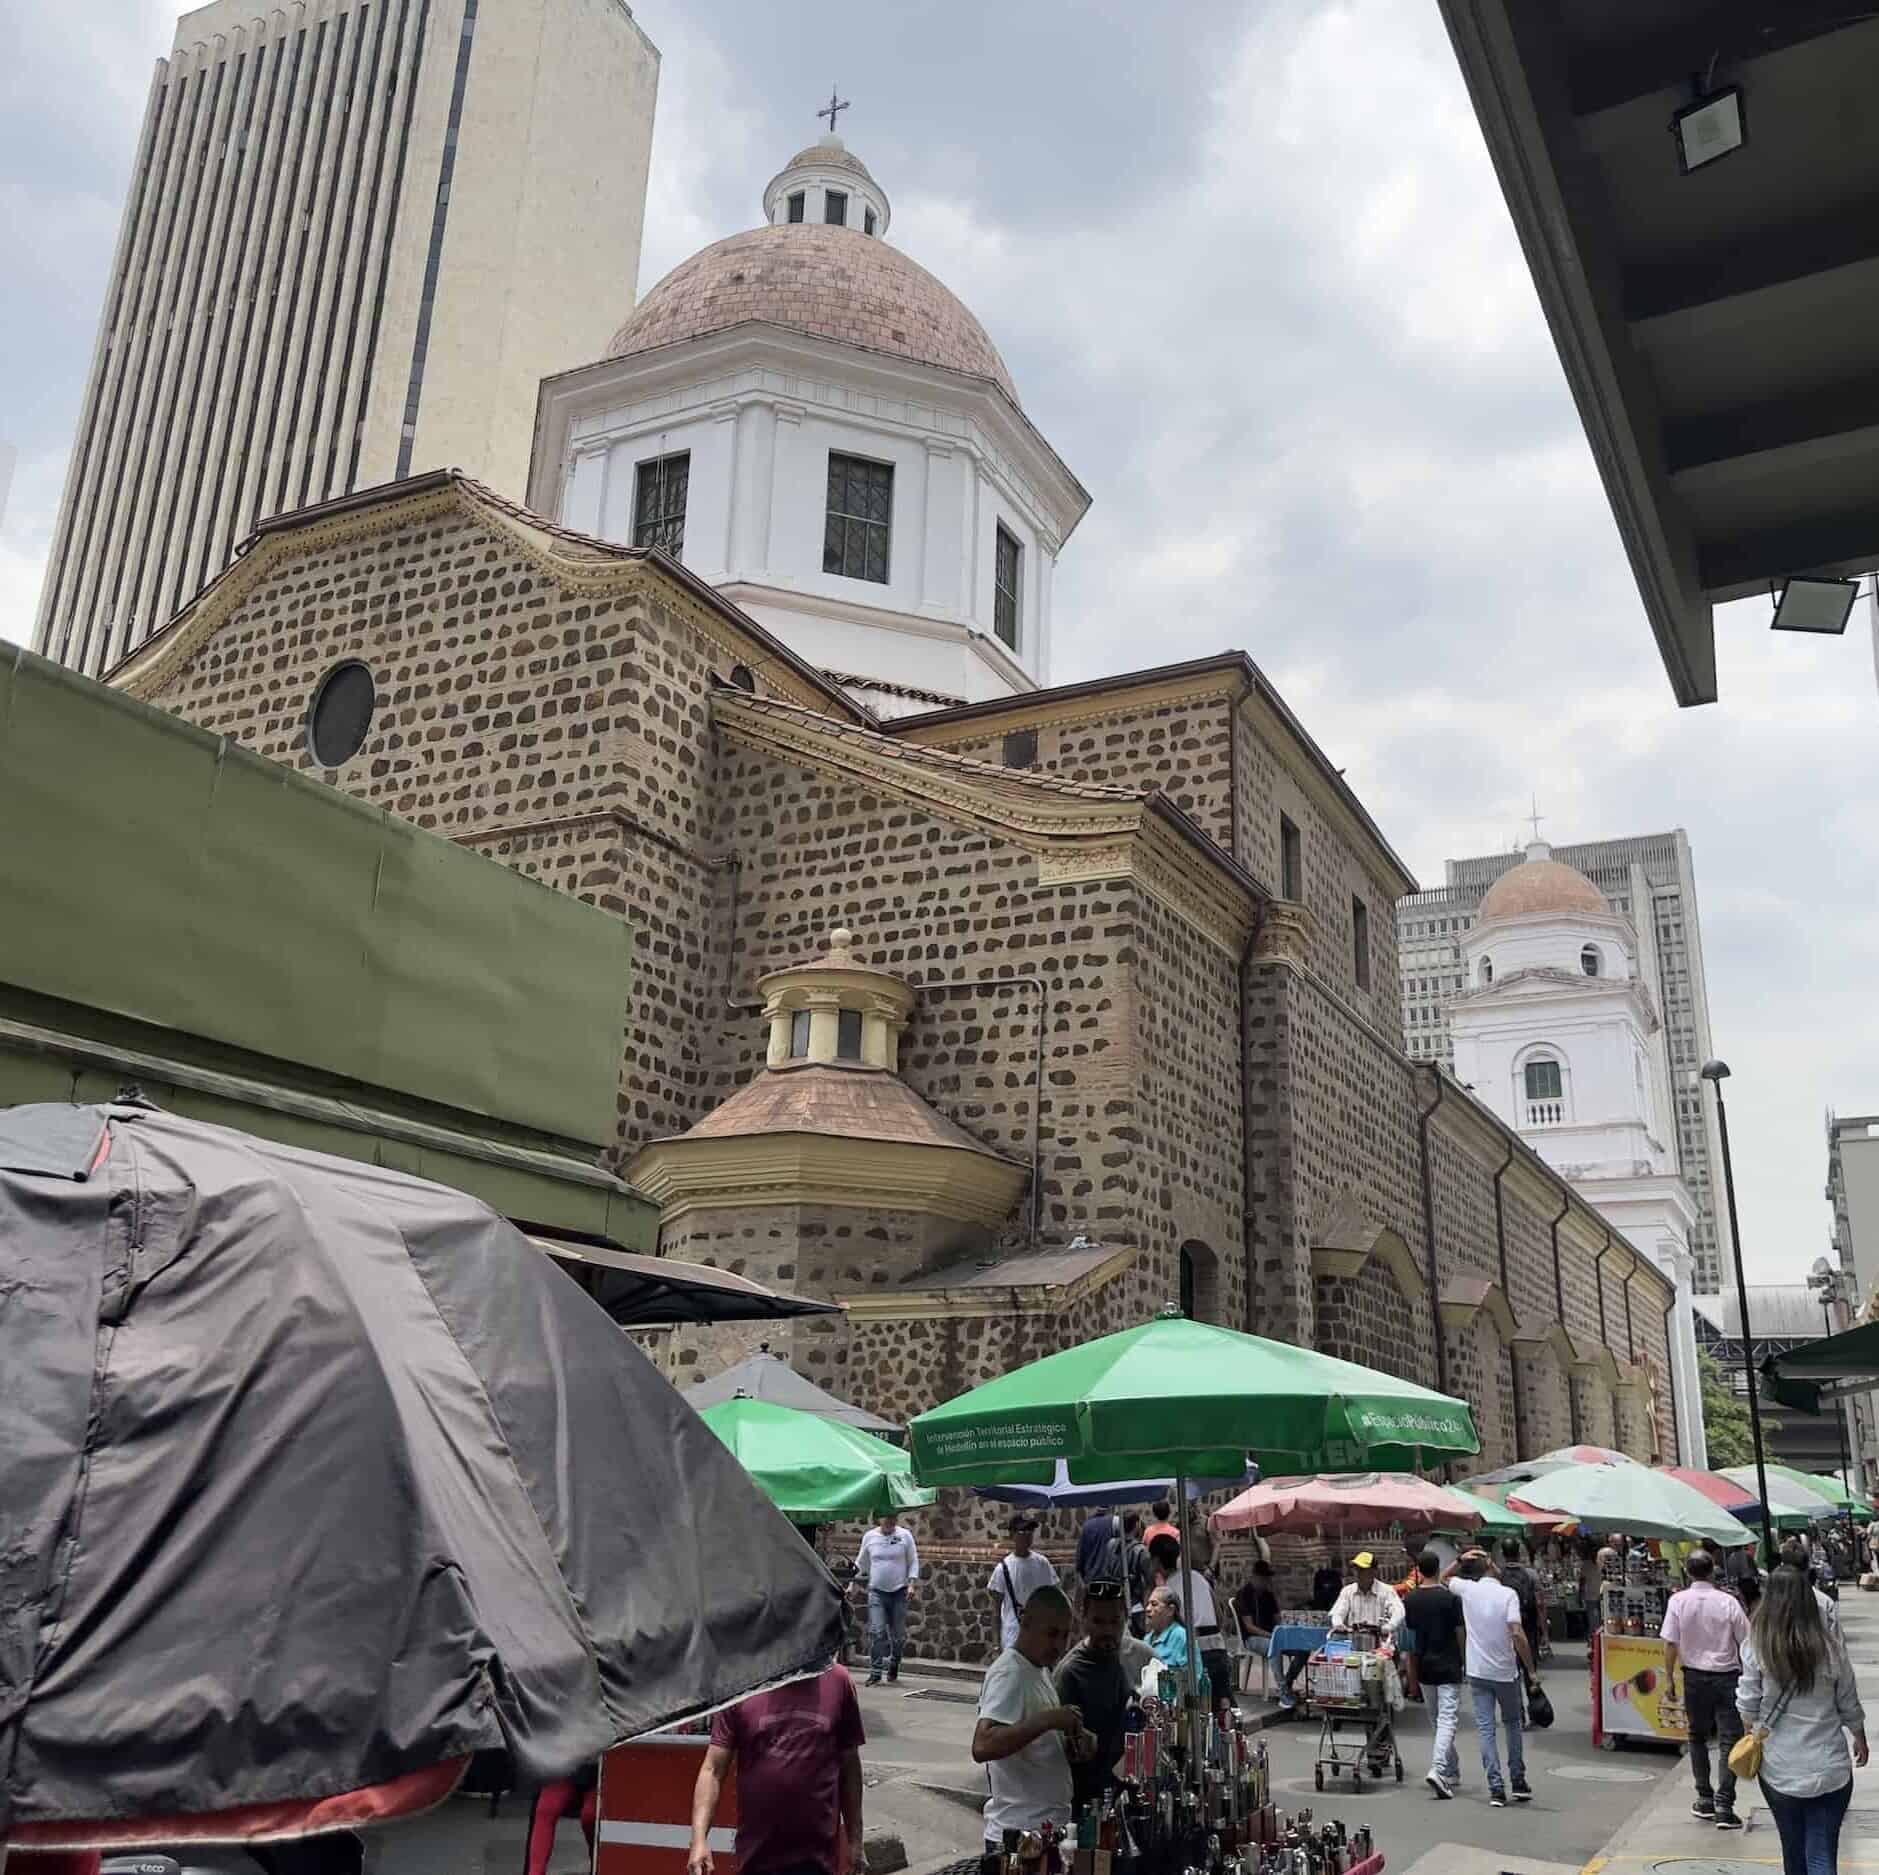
x,y
1496,1519
1632,1498
1836,1494
1186,1397
1795,1506
813,1469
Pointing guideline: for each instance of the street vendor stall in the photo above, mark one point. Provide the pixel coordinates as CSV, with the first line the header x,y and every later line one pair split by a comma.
x,y
1196,1400
379,1488
1631,1691
1340,1504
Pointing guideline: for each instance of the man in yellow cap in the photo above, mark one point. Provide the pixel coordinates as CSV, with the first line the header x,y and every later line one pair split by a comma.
x,y
1367,1603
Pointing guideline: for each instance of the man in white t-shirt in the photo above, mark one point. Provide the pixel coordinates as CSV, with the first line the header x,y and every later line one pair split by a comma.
x,y
1017,1577
1026,1736
1497,1652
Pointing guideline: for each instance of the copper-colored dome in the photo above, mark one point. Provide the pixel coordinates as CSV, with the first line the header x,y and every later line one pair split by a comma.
x,y
1541,885
833,283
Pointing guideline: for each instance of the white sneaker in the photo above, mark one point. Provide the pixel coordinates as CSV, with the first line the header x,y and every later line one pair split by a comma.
x,y
1440,1785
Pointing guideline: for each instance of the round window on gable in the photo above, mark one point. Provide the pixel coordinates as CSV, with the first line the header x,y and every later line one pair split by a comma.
x,y
340,714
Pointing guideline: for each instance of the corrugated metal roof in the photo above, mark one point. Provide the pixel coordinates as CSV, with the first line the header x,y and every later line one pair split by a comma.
x,y
1778,1311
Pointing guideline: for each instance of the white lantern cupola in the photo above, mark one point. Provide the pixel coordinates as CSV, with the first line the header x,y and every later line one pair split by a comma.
x,y
829,185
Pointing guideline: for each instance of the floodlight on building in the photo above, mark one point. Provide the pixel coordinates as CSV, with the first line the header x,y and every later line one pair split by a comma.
x,y
1714,126
1816,605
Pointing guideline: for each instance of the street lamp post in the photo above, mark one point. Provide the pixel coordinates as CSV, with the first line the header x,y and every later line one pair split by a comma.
x,y
1825,1280
1715,1073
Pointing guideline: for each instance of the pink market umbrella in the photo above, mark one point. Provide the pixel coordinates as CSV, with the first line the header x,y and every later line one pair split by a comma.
x,y
1355,1500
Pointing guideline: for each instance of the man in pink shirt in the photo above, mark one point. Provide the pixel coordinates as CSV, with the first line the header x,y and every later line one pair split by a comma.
x,y
798,1755
1704,1628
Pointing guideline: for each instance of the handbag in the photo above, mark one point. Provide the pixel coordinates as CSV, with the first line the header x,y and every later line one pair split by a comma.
x,y
1745,1755
1539,1707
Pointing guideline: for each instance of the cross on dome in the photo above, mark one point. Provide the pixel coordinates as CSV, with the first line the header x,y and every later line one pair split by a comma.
x,y
837,103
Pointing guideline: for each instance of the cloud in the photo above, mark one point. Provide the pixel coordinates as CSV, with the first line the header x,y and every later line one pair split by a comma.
x,y
1256,282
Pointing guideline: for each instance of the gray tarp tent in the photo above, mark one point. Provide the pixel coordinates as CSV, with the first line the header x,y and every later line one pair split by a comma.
x,y
315,1475
767,1376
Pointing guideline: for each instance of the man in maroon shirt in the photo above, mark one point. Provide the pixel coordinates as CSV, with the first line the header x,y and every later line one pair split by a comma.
x,y
798,1756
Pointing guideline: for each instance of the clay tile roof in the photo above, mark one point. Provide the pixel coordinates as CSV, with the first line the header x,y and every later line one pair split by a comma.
x,y
848,1103
918,755
832,283
1541,885
935,699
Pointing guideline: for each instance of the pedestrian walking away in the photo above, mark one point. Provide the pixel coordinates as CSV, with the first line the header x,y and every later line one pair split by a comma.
x,y
1526,1587
1016,1576
1437,1624
1100,1528
1797,1694
1495,1656
1704,1628
1026,1736
889,1566
797,1751
1162,1510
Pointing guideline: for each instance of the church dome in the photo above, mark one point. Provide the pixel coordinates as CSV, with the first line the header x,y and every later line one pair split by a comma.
x,y
1541,884
832,283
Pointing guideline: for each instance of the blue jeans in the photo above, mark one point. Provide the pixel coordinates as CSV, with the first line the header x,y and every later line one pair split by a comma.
x,y
887,1628
1503,1696
1809,1827
1445,1709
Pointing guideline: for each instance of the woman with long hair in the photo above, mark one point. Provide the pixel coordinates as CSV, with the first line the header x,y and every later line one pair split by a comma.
x,y
1796,1683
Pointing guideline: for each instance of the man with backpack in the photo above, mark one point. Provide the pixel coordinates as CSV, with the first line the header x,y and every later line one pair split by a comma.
x,y
1125,1559
1526,1587
1016,1578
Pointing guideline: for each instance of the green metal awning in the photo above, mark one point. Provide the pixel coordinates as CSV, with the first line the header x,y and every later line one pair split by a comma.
x,y
1824,1370
538,1179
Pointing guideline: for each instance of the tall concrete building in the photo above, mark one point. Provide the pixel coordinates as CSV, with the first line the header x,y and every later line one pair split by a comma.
x,y
1650,880
358,234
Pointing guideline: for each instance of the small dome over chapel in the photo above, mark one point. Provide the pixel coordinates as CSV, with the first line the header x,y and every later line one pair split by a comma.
x,y
818,266
1541,884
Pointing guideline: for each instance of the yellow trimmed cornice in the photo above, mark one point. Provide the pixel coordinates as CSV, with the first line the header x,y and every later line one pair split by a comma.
x,y
906,1304
1074,712
1074,838
681,1175
590,573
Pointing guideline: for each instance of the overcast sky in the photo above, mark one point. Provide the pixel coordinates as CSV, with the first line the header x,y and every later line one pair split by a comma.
x,y
1254,277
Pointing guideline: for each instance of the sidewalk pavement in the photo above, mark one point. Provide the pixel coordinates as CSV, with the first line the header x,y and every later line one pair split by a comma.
x,y
1663,1834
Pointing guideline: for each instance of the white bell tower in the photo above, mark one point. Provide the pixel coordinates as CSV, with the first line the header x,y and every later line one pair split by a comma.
x,y
1559,1034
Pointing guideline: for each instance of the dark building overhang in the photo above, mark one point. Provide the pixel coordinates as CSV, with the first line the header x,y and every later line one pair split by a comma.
x,y
1716,327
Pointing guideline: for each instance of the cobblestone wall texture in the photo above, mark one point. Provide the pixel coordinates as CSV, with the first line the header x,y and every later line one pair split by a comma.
x,y
1187,1101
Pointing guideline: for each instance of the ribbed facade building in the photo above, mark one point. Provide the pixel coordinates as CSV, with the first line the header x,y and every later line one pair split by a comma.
x,y
358,233
1648,878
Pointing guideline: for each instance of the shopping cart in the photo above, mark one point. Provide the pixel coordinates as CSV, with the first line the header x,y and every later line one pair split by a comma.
x,y
1357,1721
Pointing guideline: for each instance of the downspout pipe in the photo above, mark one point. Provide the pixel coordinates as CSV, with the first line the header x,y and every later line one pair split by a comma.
x,y
1559,1302
1500,1245
1423,1123
1598,1276
1249,1220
